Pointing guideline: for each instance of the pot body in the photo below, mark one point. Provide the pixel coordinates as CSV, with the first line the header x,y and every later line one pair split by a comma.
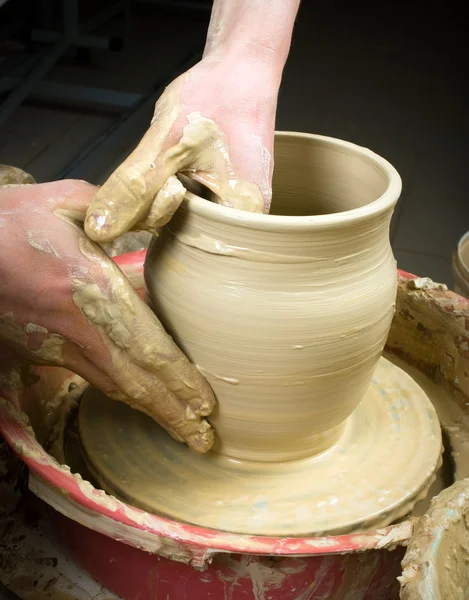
x,y
460,266
285,314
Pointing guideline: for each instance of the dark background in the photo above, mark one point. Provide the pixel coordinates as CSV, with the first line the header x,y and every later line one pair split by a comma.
x,y
391,76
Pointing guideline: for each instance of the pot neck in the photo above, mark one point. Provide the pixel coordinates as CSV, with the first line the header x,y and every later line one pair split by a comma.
x,y
289,244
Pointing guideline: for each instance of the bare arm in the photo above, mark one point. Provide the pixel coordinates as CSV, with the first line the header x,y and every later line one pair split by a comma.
x,y
258,28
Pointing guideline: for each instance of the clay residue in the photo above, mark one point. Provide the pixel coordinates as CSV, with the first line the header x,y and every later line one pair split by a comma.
x,y
425,283
204,149
10,176
34,565
436,564
431,331
394,425
263,574
48,350
158,379
102,311
39,241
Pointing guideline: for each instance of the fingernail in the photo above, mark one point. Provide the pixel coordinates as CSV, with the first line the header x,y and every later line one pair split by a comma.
x,y
204,426
205,408
100,222
190,414
174,435
201,442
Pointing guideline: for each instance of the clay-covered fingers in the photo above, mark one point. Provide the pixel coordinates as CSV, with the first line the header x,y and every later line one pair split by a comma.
x,y
125,199
138,195
127,353
166,203
110,369
145,391
151,372
142,192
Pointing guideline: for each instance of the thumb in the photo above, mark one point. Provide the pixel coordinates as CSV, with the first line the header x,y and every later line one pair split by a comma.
x,y
125,200
127,196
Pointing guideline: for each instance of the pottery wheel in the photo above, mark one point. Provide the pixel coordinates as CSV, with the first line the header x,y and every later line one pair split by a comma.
x,y
381,466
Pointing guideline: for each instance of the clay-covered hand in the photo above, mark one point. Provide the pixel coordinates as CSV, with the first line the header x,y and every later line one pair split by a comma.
x,y
214,123
64,302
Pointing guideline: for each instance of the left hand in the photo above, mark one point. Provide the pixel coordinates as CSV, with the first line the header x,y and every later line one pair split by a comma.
x,y
64,302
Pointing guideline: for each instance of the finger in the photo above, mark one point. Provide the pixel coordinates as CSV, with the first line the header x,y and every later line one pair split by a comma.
x,y
209,156
145,391
124,381
152,348
248,152
126,197
135,327
166,203
234,192
124,200
14,176
129,327
102,356
185,381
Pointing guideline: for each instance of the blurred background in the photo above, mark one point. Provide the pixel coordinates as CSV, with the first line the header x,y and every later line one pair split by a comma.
x,y
79,78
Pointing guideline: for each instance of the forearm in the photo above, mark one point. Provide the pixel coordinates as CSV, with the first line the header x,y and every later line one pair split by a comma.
x,y
261,29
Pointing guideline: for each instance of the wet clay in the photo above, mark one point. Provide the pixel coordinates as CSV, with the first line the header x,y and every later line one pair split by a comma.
x,y
436,565
461,267
13,176
128,323
383,463
286,316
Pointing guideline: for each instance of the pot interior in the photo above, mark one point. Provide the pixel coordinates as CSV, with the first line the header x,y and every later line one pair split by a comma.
x,y
317,176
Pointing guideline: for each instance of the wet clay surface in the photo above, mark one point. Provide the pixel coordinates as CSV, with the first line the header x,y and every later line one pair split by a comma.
x,y
436,563
285,314
13,176
384,461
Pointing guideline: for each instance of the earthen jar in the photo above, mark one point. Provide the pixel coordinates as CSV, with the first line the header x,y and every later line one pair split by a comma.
x,y
461,267
285,314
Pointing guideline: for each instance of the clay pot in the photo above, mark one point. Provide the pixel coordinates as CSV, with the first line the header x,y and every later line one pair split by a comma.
x,y
285,314
461,267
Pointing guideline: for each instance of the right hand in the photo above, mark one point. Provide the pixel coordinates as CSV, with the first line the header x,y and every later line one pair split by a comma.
x,y
214,123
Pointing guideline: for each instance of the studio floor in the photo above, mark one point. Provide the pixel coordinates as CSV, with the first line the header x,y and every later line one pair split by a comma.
x,y
393,81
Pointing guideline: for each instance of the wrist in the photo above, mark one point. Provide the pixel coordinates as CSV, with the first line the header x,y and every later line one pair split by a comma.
x,y
254,31
256,55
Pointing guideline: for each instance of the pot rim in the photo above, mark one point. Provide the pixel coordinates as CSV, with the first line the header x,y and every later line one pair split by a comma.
x,y
233,216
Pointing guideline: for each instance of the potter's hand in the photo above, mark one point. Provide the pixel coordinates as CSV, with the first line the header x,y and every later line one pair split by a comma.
x,y
214,123
64,302
223,144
